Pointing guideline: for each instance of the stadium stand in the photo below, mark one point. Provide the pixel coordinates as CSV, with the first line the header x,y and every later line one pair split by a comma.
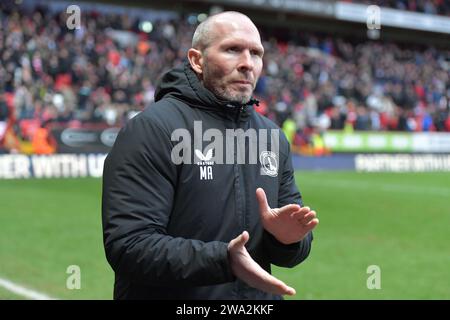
x,y
439,7
106,71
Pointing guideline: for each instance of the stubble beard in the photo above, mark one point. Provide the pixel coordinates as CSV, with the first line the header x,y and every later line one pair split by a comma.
x,y
221,92
240,98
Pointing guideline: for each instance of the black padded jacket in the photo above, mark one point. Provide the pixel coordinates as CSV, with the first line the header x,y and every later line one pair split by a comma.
x,y
166,225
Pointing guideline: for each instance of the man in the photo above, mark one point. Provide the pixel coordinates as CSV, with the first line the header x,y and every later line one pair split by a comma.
x,y
202,228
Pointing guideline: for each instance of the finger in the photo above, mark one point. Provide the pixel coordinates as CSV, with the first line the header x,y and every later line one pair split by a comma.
x,y
262,200
301,213
240,240
307,217
276,286
268,283
289,209
290,291
279,287
312,224
243,238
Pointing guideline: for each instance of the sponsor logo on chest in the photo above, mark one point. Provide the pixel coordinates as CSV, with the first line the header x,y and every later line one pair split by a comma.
x,y
205,164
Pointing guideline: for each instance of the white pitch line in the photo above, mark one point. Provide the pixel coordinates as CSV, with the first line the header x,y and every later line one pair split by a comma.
x,y
22,291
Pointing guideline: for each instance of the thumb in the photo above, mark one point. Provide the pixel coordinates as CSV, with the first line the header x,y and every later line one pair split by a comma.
x,y
243,238
239,241
262,200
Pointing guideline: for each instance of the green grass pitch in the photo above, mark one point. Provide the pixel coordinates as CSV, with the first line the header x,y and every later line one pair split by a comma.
x,y
398,222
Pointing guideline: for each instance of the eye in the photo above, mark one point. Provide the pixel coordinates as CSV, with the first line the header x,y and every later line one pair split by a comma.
x,y
232,49
256,53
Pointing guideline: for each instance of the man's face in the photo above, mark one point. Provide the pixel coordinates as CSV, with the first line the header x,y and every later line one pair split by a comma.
x,y
233,61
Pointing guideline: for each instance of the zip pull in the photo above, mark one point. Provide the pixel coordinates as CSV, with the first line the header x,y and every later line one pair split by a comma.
x,y
241,109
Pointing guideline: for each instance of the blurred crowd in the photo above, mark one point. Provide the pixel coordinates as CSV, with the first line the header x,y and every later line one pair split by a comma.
x,y
107,70
439,7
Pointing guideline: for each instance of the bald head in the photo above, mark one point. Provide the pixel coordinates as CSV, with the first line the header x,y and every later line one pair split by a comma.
x,y
215,25
226,55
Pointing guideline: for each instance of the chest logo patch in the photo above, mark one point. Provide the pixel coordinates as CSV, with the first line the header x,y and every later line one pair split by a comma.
x,y
205,164
269,163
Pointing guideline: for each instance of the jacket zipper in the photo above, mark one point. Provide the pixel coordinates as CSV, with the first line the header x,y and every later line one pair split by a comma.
x,y
239,176
238,116
240,191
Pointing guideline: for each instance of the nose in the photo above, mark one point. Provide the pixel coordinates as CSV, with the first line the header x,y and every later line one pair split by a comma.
x,y
246,62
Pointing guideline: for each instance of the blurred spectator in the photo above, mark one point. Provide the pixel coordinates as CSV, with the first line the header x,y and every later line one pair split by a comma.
x,y
440,7
106,72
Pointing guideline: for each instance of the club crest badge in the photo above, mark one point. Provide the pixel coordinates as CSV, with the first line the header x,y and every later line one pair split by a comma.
x,y
269,163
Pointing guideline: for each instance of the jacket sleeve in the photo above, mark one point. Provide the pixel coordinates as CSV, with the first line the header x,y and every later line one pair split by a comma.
x,y
280,254
139,183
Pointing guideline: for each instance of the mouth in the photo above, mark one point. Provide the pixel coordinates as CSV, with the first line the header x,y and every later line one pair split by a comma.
x,y
244,82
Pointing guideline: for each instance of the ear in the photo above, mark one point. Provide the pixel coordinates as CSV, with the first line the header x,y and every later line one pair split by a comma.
x,y
195,58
